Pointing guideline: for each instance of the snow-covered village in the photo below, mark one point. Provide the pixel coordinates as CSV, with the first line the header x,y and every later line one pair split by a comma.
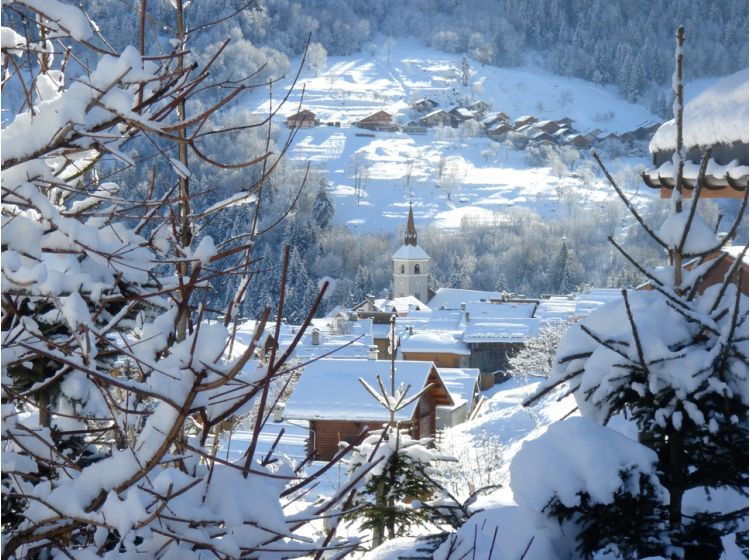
x,y
374,280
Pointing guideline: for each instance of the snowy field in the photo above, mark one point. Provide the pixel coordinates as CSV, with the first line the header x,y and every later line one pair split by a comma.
x,y
480,177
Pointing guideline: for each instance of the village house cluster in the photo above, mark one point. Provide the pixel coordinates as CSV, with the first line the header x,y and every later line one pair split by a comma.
x,y
495,125
459,341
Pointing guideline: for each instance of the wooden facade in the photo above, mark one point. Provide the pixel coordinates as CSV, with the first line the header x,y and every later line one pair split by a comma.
x,y
489,357
303,119
326,435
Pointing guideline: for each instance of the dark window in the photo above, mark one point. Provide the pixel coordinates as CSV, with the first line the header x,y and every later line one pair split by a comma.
x,y
416,269
402,269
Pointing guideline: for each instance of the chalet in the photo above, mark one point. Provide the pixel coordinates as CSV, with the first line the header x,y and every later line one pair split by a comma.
x,y
462,113
579,140
717,118
330,397
303,119
463,385
713,268
718,264
499,130
380,120
494,120
542,136
479,107
444,348
526,119
493,341
455,298
547,126
565,122
424,105
439,118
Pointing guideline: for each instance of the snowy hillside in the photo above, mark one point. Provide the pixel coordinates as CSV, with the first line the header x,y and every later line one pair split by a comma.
x,y
453,174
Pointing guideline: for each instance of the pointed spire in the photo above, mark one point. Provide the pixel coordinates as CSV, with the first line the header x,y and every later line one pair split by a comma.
x,y
411,232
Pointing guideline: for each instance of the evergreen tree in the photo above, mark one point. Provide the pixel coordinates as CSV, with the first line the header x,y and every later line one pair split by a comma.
x,y
362,286
673,360
323,207
571,274
301,291
459,276
394,467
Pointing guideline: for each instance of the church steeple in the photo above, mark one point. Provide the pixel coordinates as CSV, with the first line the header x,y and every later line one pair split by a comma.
x,y
411,232
411,265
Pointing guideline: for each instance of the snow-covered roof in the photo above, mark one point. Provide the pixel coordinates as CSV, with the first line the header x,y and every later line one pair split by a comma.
x,y
334,346
411,252
434,320
400,304
452,298
506,309
509,330
460,382
330,389
719,115
735,250
586,303
556,308
434,342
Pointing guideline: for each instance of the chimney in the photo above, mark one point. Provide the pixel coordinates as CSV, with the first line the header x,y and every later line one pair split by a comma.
x,y
463,306
370,299
316,337
372,352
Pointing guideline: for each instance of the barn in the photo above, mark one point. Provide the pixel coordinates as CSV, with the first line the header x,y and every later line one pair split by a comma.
x,y
330,397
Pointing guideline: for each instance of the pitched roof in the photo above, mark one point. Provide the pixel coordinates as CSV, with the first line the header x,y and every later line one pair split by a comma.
x,y
501,330
719,115
452,298
411,252
400,304
460,382
434,342
330,389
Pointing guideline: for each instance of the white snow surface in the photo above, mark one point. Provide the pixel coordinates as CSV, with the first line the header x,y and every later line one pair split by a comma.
x,y
588,458
330,389
411,252
719,115
489,178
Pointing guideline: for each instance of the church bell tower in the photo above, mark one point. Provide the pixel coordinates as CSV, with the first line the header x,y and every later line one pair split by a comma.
x,y
411,265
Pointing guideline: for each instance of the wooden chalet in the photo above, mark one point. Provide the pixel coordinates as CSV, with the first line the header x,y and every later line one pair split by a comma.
x,y
565,122
424,105
330,397
548,126
717,118
717,265
479,107
380,120
304,119
499,130
439,118
444,348
525,120
579,141
462,113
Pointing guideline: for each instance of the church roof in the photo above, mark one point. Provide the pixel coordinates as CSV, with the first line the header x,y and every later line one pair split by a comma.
x,y
411,252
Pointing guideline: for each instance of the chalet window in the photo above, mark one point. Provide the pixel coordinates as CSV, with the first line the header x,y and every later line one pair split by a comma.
x,y
416,269
402,269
